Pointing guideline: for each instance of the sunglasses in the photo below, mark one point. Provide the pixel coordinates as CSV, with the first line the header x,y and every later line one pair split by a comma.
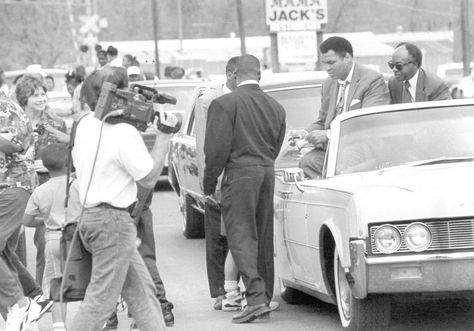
x,y
398,66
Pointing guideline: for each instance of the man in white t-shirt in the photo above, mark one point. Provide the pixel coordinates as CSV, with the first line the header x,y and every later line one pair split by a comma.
x,y
107,187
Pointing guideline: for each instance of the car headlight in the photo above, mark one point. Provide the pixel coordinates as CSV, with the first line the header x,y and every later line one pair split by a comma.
x,y
417,237
387,239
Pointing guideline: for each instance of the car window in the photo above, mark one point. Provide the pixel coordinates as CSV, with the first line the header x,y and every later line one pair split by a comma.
x,y
301,104
382,140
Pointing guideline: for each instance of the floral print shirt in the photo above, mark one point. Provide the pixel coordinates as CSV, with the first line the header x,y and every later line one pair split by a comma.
x,y
16,169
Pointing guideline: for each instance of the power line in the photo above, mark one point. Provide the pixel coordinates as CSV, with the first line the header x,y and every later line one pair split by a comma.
x,y
41,3
427,11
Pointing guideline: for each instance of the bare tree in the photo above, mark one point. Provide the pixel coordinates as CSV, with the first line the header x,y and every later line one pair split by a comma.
x,y
34,33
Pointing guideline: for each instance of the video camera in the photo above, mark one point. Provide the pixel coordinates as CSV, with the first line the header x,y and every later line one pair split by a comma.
x,y
137,107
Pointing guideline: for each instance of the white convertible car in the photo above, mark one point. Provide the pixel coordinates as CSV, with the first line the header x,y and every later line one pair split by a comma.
x,y
393,212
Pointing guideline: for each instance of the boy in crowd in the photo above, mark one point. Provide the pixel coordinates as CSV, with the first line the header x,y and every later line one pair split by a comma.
x,y
46,206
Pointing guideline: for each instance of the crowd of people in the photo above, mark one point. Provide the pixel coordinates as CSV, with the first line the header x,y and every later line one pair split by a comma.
x,y
33,160
239,133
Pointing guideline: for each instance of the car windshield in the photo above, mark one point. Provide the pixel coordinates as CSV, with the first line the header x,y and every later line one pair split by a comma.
x,y
301,105
388,139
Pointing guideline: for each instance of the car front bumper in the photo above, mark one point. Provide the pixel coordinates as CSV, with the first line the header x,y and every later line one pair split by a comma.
x,y
434,272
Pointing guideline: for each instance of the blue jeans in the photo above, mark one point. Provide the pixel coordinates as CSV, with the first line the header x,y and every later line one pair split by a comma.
x,y
109,234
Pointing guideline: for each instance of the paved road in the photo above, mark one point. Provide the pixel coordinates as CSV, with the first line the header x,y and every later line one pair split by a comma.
x,y
182,265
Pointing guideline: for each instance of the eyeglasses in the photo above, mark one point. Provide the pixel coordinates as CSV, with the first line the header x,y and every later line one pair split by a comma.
x,y
398,66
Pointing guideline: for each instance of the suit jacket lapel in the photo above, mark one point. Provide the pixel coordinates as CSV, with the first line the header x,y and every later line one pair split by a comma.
x,y
353,86
332,101
420,86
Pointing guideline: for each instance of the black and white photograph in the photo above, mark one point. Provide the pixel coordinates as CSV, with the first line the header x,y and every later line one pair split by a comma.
x,y
201,165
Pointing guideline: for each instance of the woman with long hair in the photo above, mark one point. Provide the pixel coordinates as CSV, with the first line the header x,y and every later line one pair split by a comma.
x,y
49,128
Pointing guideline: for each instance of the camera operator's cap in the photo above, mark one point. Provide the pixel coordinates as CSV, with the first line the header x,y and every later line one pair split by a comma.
x,y
133,70
35,69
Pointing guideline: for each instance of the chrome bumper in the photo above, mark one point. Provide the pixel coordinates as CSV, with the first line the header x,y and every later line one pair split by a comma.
x,y
445,272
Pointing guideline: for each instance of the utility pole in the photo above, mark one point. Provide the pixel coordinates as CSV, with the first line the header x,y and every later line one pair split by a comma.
x,y
274,52
465,38
180,25
154,10
319,40
240,22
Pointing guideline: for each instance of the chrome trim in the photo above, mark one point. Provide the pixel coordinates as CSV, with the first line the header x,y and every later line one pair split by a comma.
x,y
302,244
358,268
419,258
287,88
446,234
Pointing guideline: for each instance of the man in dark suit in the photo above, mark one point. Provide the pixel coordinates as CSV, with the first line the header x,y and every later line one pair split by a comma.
x,y
245,131
410,83
349,86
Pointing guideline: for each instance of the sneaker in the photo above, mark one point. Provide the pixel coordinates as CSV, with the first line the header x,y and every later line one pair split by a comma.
x,y
112,322
59,326
20,319
134,326
33,327
45,305
274,305
218,303
167,313
232,301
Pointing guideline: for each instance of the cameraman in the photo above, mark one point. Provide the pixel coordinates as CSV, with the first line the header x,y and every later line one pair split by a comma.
x,y
107,187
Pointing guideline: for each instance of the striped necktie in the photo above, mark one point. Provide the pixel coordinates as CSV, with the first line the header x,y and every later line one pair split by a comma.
x,y
406,95
342,97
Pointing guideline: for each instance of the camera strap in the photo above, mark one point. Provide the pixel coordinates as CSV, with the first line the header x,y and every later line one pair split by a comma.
x,y
69,163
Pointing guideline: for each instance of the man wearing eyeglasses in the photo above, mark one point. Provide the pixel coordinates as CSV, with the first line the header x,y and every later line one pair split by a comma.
x,y
410,83
350,86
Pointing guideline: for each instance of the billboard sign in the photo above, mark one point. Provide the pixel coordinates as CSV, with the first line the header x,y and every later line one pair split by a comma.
x,y
294,15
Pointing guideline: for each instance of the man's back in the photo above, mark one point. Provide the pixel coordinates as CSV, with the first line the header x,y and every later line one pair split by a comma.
x,y
258,126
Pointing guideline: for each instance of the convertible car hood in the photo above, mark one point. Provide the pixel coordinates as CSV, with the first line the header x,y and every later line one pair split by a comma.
x,y
411,192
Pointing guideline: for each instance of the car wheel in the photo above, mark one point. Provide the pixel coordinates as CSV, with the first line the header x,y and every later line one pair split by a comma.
x,y
372,312
193,220
291,295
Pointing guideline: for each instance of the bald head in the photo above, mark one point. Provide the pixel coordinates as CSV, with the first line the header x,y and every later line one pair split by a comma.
x,y
248,67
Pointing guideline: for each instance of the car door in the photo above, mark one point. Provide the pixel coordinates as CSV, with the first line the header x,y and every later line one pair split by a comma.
x,y
301,103
302,211
184,156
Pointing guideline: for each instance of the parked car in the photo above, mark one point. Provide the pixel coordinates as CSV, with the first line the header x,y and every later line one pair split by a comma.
x,y
392,215
299,93
59,76
182,90
452,72
464,88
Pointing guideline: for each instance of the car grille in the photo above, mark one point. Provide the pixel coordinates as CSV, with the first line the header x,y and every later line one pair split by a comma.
x,y
446,235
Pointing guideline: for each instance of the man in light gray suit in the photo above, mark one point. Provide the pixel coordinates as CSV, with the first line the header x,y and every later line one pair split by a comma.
x,y
349,86
216,244
410,83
